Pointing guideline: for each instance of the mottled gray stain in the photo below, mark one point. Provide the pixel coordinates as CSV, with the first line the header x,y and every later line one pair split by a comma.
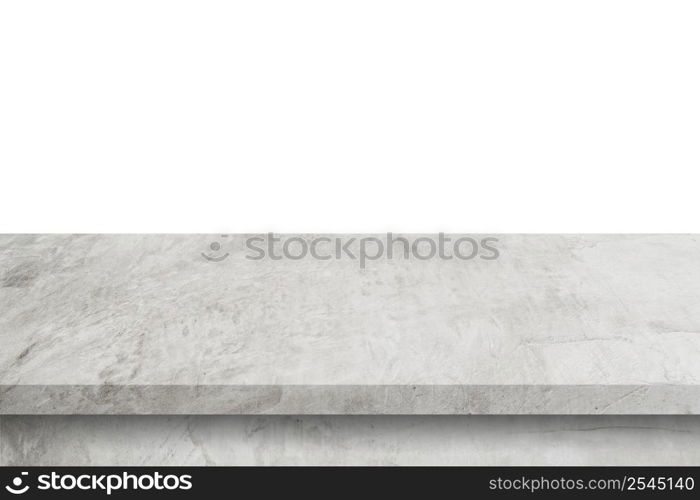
x,y
20,276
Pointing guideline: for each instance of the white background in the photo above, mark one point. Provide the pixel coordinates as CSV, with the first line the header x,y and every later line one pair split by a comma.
x,y
349,115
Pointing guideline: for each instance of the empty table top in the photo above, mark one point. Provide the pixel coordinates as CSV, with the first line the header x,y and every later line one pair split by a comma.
x,y
535,324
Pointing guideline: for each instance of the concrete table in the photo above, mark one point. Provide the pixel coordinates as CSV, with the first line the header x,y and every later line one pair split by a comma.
x,y
202,324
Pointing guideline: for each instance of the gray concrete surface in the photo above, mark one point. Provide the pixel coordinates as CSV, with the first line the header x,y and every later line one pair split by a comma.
x,y
351,400
132,324
344,440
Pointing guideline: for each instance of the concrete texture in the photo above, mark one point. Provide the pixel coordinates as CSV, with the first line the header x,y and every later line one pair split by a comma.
x,y
133,324
341,440
351,400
